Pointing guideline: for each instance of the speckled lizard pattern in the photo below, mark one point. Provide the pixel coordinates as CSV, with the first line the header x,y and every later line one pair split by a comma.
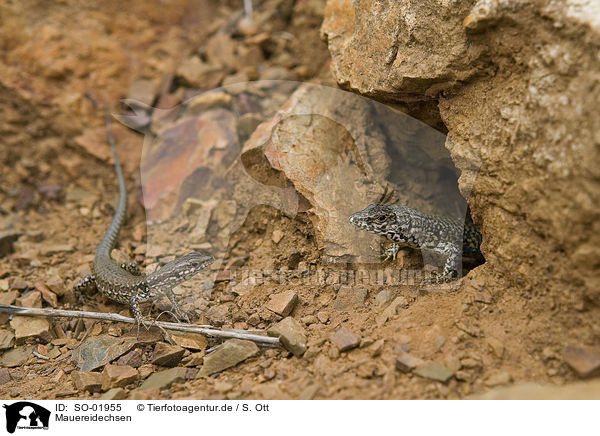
x,y
409,227
125,283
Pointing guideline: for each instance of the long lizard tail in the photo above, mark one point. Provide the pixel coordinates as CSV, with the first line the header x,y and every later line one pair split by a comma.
x,y
112,233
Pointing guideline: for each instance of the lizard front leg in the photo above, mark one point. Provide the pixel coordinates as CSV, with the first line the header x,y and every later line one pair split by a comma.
x,y
132,268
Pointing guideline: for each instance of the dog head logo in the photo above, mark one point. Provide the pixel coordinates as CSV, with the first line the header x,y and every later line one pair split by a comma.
x,y
24,414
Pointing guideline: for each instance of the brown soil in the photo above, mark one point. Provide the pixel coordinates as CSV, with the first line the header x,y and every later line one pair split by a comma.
x,y
59,188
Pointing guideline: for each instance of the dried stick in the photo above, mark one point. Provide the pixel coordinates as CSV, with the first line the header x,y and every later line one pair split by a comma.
x,y
181,327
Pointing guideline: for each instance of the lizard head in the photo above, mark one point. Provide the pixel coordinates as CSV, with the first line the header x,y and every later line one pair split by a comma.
x,y
375,218
178,270
391,221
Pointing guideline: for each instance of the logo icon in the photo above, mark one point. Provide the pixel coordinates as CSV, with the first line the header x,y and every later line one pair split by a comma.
x,y
26,415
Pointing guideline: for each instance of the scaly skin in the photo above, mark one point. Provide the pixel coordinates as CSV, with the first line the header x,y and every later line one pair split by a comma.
x,y
409,227
125,283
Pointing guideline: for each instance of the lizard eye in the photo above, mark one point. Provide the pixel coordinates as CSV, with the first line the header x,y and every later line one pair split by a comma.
x,y
381,218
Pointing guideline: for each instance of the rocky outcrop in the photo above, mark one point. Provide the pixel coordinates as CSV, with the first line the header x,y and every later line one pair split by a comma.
x,y
517,87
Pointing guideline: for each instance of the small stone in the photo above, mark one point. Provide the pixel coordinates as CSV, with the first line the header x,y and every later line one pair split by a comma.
x,y
407,362
164,379
227,355
101,350
348,298
345,339
7,240
253,320
49,250
191,341
8,297
383,298
114,394
54,353
468,329
146,371
15,357
584,362
87,381
7,339
309,392
27,327
31,299
116,376
194,359
277,236
376,348
434,371
4,376
496,346
208,100
291,334
283,303
47,295
498,379
19,284
322,316
133,359
218,315
470,363
167,355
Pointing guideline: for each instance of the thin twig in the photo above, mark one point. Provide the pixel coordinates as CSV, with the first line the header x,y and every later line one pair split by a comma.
x,y
181,327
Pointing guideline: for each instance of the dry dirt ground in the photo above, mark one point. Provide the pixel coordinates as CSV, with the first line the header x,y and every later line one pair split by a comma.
x,y
59,62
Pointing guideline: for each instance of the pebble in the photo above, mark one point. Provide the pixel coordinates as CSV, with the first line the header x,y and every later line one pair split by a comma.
x,y
133,359
4,376
376,348
208,100
323,316
7,240
7,339
218,315
435,371
345,339
584,362
349,298
30,299
164,379
114,394
283,304
99,351
28,327
191,341
87,381
15,357
115,376
498,379
194,359
291,334
167,355
407,362
468,329
47,295
382,298
277,236
232,352
8,297
496,346
49,250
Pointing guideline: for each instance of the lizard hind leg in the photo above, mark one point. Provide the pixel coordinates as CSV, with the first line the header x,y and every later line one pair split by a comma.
x,y
85,284
453,265
178,312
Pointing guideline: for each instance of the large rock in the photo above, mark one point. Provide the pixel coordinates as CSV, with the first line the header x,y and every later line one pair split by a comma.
x,y
517,88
